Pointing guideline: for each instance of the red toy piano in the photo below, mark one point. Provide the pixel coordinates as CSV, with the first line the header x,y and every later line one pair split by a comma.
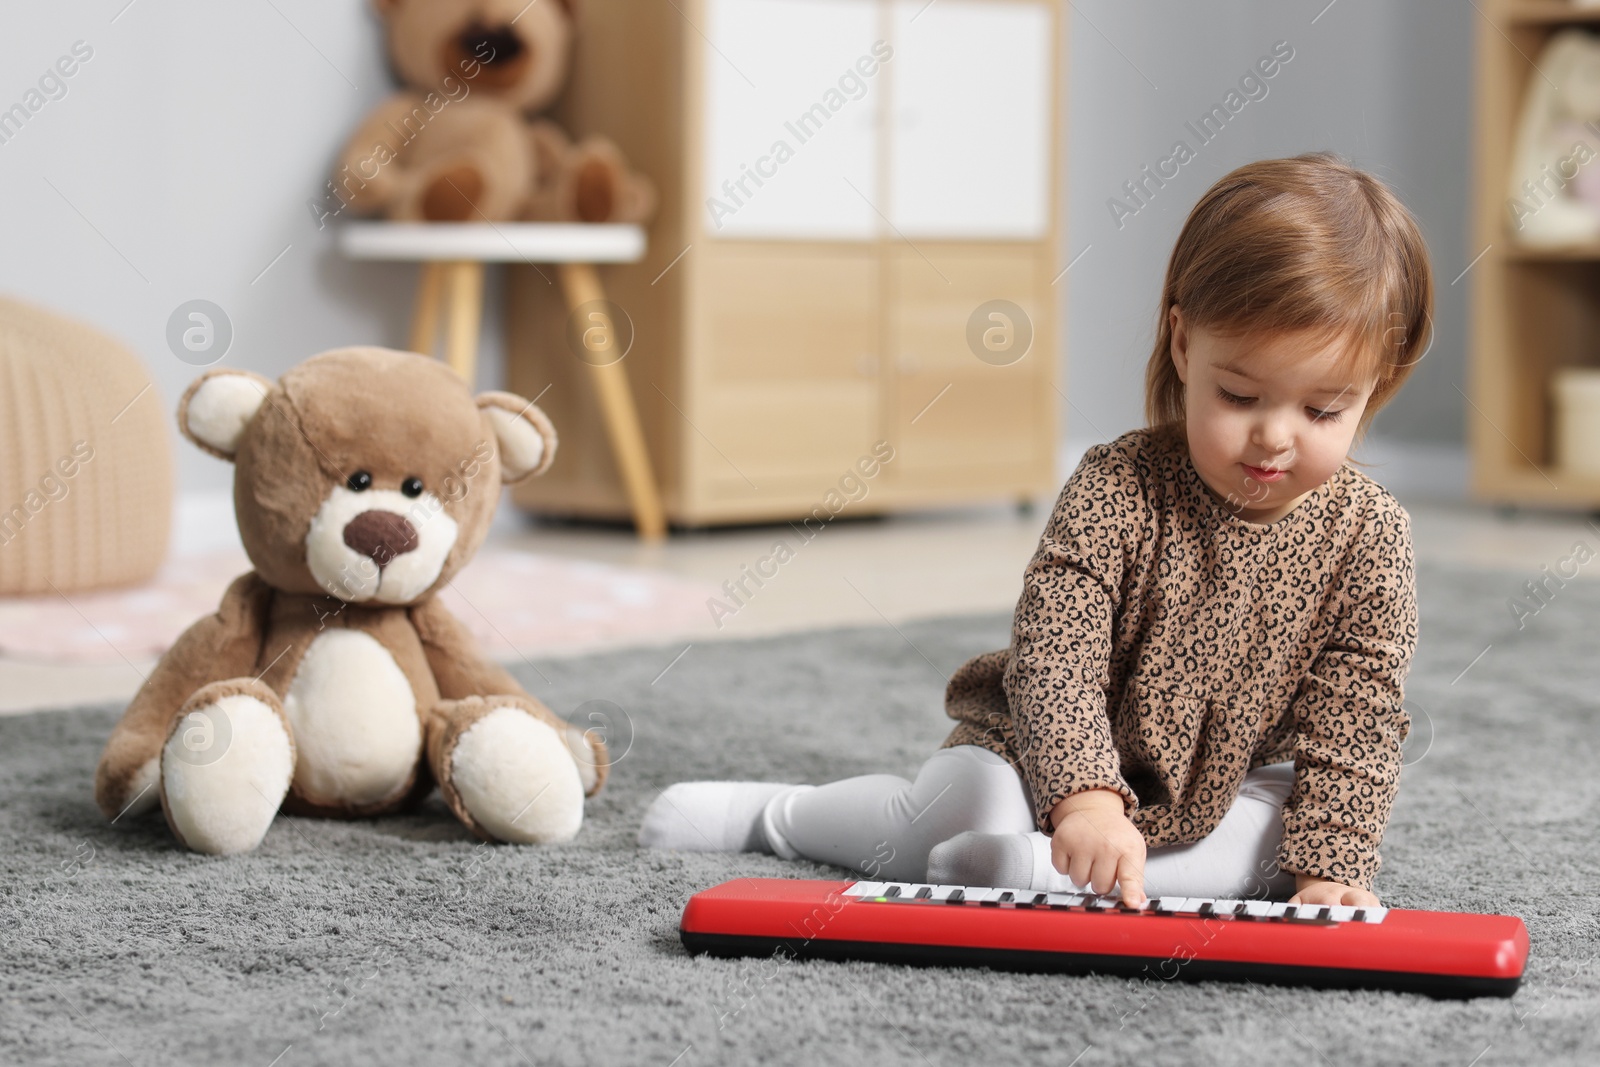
x,y
1442,954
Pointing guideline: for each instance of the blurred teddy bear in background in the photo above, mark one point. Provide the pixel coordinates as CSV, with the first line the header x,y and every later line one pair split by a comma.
x,y
1554,187
459,143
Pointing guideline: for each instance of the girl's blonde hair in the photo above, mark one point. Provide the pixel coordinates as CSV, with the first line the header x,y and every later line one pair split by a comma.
x,y
1305,243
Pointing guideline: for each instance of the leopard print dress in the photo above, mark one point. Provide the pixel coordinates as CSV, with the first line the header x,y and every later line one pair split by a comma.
x,y
1163,646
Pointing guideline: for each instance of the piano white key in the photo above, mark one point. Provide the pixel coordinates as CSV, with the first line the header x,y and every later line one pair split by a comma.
x,y
983,894
1173,904
1374,915
1278,910
1192,904
1257,909
942,892
1341,913
896,889
864,889
1070,900
1226,906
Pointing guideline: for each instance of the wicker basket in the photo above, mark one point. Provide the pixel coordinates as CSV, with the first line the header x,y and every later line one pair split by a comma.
x,y
85,460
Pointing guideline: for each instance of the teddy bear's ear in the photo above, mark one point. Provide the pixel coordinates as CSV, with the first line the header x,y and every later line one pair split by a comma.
x,y
523,435
216,408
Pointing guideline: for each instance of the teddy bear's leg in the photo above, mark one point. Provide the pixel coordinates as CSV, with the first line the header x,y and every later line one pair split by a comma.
x,y
603,189
226,766
506,768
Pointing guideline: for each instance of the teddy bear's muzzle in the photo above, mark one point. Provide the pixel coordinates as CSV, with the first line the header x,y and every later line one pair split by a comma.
x,y
381,535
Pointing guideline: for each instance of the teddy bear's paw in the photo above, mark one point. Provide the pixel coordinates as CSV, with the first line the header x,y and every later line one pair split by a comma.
x,y
597,187
516,779
453,194
226,767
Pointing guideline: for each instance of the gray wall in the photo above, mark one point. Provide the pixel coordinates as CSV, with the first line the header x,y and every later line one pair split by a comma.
x,y
180,160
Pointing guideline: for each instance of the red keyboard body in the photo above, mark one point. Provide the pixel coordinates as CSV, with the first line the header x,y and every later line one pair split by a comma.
x,y
1442,954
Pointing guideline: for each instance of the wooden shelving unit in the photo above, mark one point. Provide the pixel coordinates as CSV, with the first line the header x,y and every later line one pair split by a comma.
x,y
1534,310
776,345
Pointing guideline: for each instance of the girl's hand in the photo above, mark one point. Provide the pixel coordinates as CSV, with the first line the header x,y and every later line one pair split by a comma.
x,y
1313,890
1096,845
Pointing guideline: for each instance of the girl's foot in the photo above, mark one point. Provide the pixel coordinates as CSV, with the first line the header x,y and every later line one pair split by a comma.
x,y
710,817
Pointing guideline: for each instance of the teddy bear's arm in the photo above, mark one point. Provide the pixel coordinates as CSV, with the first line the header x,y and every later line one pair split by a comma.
x,y
220,646
452,652
368,167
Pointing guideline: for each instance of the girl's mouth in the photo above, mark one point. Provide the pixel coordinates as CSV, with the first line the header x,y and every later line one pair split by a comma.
x,y
1262,474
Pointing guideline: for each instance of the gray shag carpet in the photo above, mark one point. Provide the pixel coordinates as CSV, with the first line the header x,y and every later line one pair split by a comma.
x,y
403,940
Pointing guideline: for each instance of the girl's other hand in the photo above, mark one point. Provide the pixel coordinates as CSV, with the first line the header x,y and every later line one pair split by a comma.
x,y
1314,890
1096,845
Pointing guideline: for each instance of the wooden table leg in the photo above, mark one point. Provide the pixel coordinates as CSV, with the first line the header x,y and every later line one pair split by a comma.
x,y
425,315
464,290
581,284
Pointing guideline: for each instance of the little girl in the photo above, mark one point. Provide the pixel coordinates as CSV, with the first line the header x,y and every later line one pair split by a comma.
x,y
1203,691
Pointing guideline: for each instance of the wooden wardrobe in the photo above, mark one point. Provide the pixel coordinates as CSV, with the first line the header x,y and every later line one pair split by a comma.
x,y
784,327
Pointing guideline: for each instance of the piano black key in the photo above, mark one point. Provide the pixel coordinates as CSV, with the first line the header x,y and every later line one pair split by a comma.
x,y
1360,916
892,891
1007,897
957,896
1039,898
1205,909
925,892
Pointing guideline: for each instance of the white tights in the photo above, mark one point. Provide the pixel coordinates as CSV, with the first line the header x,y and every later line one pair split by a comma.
x,y
886,827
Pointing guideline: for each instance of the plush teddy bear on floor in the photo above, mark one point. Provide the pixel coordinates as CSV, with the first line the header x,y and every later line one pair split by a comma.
x,y
332,681
457,144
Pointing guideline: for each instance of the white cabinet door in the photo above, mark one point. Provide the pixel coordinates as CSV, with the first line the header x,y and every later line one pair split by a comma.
x,y
970,137
791,140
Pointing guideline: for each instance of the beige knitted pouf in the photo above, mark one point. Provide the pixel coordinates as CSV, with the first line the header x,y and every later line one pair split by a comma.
x,y
85,463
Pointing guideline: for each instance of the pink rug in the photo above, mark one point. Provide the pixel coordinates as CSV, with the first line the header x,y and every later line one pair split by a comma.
x,y
518,604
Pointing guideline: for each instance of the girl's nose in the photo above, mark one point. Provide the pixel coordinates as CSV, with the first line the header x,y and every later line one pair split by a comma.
x,y
1273,436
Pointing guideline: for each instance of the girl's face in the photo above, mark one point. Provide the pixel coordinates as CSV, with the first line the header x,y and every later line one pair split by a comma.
x,y
1269,419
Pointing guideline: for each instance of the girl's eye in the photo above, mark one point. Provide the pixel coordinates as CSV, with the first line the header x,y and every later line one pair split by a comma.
x,y
1234,398
1317,415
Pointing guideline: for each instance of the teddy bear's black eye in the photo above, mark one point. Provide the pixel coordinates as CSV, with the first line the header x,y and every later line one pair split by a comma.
x,y
360,481
411,486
